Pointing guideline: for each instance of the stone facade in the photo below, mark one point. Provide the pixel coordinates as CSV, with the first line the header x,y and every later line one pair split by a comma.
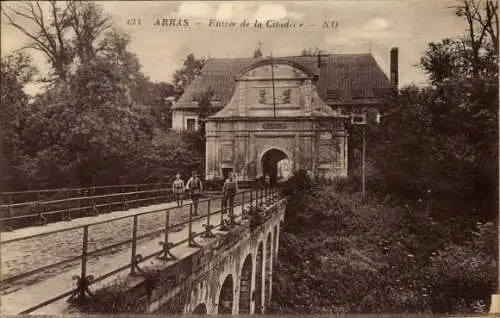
x,y
275,109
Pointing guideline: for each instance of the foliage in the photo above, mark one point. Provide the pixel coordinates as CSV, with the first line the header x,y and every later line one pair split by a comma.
x,y
65,32
100,121
190,69
311,51
347,256
439,142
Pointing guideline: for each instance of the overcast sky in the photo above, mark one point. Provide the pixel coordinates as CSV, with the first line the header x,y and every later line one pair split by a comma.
x,y
379,24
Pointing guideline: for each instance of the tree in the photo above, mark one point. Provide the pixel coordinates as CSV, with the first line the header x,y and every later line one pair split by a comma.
x,y
311,51
443,60
88,23
16,72
184,76
441,141
482,27
62,32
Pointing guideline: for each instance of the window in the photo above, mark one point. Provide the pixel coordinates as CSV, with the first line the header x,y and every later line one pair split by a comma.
x,y
286,96
191,122
262,96
332,94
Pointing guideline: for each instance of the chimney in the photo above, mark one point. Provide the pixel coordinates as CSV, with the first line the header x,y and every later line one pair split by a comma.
x,y
394,71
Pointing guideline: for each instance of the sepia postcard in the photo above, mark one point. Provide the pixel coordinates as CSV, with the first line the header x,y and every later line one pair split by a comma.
x,y
249,157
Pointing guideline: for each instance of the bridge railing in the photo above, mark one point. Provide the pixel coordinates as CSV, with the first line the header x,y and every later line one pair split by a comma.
x,y
66,204
12,197
254,204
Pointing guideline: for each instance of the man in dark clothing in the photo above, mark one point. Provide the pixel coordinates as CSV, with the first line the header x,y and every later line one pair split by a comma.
x,y
195,187
229,189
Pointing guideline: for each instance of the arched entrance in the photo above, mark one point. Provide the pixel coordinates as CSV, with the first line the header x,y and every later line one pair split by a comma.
x,y
226,296
245,285
270,161
201,309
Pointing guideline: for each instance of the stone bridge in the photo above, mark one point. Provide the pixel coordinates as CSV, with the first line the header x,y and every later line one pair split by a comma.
x,y
230,273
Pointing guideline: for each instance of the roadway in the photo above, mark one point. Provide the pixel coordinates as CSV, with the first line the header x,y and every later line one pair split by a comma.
x,y
25,255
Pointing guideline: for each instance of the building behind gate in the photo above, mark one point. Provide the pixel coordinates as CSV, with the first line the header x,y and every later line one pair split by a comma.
x,y
275,115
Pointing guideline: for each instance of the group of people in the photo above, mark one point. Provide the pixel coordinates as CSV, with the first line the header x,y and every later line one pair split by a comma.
x,y
194,187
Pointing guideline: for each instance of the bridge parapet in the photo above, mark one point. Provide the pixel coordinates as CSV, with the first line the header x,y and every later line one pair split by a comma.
x,y
199,278
180,229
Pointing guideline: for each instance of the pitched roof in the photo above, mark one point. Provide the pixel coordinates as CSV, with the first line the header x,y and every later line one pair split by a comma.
x,y
343,79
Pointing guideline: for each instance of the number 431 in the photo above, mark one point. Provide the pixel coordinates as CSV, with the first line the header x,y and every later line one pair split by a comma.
x,y
134,21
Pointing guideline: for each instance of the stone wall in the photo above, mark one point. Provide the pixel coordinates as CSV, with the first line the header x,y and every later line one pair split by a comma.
x,y
241,146
195,280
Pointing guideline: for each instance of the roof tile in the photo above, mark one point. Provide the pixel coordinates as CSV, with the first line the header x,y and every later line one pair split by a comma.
x,y
343,72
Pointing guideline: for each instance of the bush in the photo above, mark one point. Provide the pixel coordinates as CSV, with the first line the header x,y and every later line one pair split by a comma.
x,y
344,255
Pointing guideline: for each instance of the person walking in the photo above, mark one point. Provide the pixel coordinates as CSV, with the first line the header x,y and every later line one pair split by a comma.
x,y
267,180
229,189
178,189
195,188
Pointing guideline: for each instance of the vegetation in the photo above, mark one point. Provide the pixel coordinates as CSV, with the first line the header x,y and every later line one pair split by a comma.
x,y
424,240
341,255
99,119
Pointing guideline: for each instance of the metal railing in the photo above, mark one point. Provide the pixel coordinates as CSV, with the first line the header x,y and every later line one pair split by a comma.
x,y
52,194
80,202
254,201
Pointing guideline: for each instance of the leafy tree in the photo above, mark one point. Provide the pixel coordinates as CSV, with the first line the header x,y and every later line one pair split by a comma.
x,y
190,69
69,30
16,72
311,51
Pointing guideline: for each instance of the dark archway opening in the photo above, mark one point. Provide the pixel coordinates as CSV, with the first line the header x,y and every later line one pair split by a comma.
x,y
245,285
275,244
267,286
257,294
226,296
270,163
201,309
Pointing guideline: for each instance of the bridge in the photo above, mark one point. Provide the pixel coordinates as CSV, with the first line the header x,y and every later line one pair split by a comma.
x,y
163,258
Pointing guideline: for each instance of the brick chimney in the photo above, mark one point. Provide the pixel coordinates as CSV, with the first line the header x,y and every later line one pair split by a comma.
x,y
394,71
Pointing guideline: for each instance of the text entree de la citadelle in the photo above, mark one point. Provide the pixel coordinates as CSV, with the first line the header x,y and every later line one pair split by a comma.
x,y
216,23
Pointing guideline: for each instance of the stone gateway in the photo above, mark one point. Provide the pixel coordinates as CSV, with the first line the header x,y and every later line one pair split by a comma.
x,y
273,115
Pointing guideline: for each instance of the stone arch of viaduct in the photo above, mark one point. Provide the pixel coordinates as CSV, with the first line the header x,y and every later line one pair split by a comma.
x,y
232,275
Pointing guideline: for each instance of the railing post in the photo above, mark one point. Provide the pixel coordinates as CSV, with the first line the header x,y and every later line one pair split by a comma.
x,y
166,245
84,251
124,201
208,227
83,281
11,221
133,260
136,197
242,202
191,241
68,217
223,226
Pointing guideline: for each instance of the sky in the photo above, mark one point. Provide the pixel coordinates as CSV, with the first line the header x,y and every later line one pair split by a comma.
x,y
359,27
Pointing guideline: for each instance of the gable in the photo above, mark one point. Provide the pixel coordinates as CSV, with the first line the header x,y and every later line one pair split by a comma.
x,y
342,79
